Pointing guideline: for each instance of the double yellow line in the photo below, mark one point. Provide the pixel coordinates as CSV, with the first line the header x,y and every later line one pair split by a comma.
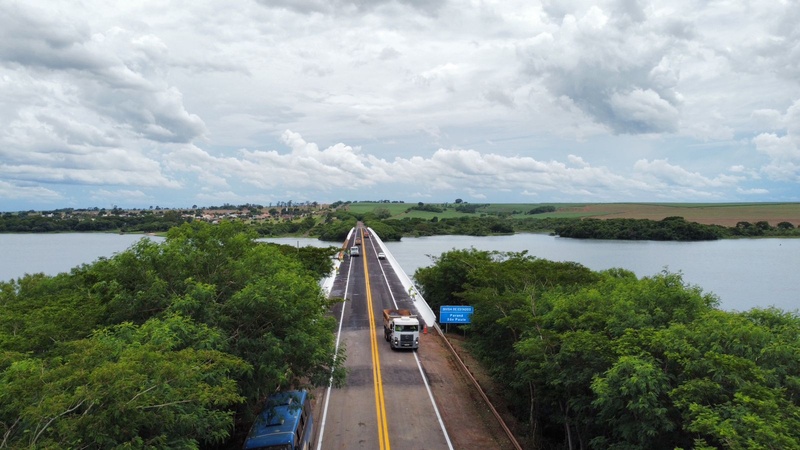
x,y
380,403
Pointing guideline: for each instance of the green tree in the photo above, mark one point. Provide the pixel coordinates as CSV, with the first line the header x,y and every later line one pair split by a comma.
x,y
632,402
607,360
165,384
441,282
39,311
163,345
382,213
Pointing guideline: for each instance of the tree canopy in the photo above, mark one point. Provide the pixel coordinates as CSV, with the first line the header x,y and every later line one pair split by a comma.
x,y
606,360
165,345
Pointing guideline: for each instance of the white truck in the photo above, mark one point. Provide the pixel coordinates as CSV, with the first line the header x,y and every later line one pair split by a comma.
x,y
401,328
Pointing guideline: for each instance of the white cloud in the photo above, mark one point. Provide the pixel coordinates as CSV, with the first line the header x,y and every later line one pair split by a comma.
x,y
666,174
618,66
11,191
783,151
644,110
342,166
552,99
754,191
121,196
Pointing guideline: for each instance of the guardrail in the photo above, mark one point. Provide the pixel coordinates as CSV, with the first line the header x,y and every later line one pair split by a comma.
x,y
423,309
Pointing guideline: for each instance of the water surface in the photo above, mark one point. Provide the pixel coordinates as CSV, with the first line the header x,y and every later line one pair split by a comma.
x,y
743,273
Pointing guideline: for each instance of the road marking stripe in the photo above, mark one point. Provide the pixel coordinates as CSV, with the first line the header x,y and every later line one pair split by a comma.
x,y
416,358
380,403
336,353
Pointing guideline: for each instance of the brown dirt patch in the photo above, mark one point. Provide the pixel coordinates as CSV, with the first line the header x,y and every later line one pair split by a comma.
x,y
470,423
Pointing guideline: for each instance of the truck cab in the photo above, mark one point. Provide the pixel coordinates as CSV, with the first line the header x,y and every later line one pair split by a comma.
x,y
401,328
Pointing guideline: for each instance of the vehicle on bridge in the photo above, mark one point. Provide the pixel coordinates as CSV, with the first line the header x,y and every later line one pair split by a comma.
x,y
285,423
355,251
401,328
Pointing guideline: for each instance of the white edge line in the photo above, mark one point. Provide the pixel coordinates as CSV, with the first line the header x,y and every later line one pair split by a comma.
x,y
433,402
416,358
330,381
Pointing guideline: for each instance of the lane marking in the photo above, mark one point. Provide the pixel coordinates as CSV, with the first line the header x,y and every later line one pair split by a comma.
x,y
330,380
419,363
380,403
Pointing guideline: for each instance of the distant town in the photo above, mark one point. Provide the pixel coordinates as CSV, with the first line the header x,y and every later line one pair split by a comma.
x,y
158,219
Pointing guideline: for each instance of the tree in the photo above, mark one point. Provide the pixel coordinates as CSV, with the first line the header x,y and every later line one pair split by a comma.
x,y
40,311
385,231
607,360
632,401
382,213
164,344
447,277
164,384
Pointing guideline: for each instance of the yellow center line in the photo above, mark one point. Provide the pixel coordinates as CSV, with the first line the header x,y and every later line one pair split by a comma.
x,y
380,404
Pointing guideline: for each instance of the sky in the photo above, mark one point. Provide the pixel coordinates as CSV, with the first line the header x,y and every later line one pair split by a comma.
x,y
181,103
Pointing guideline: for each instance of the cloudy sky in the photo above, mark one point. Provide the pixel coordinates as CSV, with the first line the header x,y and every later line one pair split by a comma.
x,y
179,103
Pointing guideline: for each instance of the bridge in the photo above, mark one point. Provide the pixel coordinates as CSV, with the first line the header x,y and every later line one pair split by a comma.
x,y
403,399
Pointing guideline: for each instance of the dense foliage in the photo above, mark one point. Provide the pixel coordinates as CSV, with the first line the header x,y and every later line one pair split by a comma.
x,y
603,360
542,209
170,345
285,227
668,229
337,231
469,208
146,222
426,207
470,226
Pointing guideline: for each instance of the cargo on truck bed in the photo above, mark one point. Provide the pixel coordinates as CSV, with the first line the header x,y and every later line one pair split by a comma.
x,y
401,328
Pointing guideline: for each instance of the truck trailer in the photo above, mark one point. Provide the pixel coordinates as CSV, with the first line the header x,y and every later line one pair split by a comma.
x,y
401,328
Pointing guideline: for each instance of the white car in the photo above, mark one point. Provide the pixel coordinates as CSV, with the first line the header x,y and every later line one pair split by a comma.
x,y
381,255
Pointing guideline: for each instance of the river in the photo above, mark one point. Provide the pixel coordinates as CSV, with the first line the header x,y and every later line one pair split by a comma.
x,y
743,273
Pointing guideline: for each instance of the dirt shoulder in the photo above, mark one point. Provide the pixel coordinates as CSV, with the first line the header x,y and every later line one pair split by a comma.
x,y
469,422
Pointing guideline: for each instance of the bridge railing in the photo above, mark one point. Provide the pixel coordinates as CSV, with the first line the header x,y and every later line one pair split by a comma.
x,y
423,309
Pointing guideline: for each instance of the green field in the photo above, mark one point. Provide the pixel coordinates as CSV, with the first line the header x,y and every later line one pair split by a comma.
x,y
726,214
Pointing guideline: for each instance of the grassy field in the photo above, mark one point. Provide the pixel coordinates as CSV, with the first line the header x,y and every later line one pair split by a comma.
x,y
726,214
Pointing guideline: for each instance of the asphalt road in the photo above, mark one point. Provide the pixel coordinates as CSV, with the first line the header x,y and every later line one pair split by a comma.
x,y
386,402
